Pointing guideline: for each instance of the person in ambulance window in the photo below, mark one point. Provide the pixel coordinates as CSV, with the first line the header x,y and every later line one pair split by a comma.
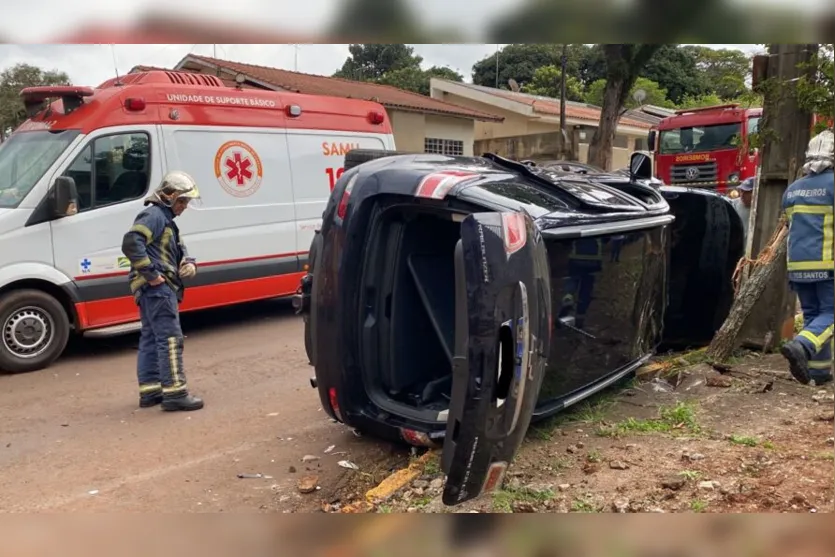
x,y
159,263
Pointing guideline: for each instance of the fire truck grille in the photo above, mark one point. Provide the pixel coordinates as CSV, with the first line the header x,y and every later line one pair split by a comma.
x,y
700,173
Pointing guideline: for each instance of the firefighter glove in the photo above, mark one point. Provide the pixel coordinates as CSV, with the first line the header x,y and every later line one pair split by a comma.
x,y
188,270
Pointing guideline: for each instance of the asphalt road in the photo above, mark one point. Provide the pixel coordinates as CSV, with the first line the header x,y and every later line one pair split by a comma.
x,y
72,437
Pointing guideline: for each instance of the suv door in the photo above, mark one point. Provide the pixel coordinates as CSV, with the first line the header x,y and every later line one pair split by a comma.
x,y
502,336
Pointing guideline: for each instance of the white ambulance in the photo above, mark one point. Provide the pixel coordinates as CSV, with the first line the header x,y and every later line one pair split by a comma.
x,y
265,163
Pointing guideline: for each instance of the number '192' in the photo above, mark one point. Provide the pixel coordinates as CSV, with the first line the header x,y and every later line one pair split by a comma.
x,y
334,174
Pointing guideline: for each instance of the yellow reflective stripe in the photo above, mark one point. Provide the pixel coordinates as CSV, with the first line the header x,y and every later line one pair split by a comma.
x,y
172,362
820,365
810,209
828,233
150,388
818,340
144,230
165,242
811,265
136,283
177,389
145,262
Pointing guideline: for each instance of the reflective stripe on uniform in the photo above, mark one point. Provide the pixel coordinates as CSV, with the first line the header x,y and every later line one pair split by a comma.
x,y
150,388
144,230
818,340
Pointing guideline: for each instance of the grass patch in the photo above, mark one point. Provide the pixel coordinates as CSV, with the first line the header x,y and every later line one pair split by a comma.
x,y
560,463
433,466
594,456
825,456
589,412
583,505
691,475
504,499
698,506
682,416
745,440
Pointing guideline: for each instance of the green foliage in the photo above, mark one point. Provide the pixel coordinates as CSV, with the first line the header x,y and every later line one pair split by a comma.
x,y
817,95
699,101
656,95
12,80
417,80
546,82
675,69
369,62
723,70
521,61
392,64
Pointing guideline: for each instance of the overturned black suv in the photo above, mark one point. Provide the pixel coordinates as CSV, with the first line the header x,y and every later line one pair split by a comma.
x,y
451,300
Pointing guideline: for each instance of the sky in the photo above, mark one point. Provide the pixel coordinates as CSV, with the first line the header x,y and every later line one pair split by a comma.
x,y
93,64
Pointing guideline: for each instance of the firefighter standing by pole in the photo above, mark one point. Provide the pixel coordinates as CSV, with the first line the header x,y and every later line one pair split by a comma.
x,y
159,261
808,204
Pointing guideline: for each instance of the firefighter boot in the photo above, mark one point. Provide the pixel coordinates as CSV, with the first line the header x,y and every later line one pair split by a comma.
x,y
794,352
185,403
149,400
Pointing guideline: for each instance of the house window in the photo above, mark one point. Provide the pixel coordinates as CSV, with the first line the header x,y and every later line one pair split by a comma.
x,y
621,142
451,147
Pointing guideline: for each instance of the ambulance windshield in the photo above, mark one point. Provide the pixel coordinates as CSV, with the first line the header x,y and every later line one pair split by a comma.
x,y
24,158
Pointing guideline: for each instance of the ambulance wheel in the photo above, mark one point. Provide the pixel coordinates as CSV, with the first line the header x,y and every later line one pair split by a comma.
x,y
34,330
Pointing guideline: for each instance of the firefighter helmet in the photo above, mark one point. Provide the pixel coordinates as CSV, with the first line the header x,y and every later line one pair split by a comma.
x,y
175,185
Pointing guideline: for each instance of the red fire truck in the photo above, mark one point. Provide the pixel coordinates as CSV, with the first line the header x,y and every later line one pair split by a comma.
x,y
706,147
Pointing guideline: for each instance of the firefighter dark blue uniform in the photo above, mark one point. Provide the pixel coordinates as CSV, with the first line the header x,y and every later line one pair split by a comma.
x,y
808,204
154,248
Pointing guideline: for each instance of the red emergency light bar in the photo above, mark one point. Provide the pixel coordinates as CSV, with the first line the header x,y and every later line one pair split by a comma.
x,y
71,95
706,108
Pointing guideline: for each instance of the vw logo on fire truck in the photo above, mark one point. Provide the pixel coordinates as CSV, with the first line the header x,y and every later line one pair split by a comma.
x,y
238,168
692,173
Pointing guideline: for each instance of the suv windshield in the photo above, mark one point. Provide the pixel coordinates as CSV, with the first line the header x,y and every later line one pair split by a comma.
x,y
24,158
700,138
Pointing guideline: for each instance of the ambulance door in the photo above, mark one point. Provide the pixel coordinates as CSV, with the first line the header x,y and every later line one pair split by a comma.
x,y
243,231
316,160
113,170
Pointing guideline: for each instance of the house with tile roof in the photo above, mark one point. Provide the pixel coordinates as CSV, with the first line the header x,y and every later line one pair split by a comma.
x,y
530,120
420,123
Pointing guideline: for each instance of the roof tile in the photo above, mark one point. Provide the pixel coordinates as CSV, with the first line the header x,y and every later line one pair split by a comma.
x,y
551,107
388,96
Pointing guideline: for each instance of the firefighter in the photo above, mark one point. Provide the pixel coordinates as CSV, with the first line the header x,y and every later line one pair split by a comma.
x,y
159,263
808,205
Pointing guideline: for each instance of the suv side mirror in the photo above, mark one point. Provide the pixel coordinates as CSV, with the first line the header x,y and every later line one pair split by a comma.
x,y
64,197
640,166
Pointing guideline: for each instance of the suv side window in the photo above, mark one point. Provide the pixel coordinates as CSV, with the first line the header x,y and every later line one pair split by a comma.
x,y
112,169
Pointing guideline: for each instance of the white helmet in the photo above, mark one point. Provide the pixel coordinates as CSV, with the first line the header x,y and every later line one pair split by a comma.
x,y
820,154
175,185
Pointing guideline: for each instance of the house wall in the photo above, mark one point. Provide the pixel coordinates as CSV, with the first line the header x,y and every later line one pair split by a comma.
x,y
411,129
511,135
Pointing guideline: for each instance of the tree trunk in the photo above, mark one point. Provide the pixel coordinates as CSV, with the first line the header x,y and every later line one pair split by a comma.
x,y
725,340
600,148
623,64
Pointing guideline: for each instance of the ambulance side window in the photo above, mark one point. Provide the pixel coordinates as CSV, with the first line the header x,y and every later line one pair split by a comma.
x,y
112,169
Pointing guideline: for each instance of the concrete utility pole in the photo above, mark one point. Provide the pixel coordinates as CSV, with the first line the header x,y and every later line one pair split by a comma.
x,y
786,131
563,135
